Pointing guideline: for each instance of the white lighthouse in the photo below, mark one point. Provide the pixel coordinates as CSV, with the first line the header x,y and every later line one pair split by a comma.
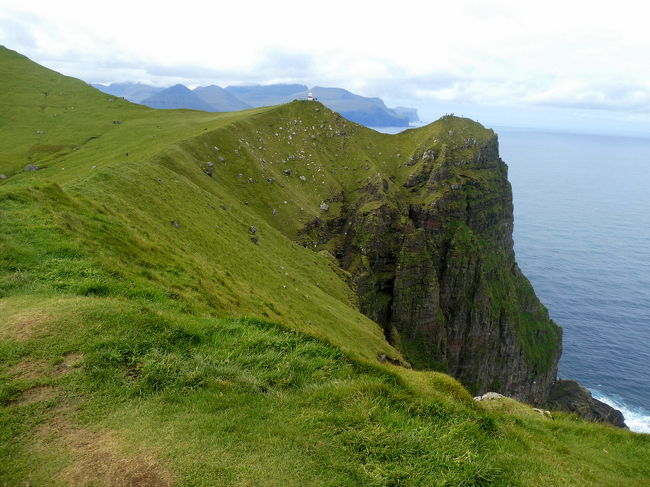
x,y
310,97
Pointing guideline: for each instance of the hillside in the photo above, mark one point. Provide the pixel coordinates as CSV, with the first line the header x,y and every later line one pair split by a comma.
x,y
182,297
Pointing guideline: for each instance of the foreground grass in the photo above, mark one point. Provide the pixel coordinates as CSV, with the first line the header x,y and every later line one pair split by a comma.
x,y
107,391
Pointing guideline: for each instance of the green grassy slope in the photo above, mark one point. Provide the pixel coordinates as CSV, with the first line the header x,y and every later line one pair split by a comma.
x,y
137,352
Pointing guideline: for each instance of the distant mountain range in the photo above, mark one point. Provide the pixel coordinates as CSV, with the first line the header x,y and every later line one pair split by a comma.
x,y
223,99
268,95
360,109
179,96
135,92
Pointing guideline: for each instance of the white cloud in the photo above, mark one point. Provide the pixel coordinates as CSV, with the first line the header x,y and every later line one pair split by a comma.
x,y
553,53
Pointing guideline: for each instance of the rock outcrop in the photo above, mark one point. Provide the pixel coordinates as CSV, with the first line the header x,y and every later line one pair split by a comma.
x,y
433,262
568,395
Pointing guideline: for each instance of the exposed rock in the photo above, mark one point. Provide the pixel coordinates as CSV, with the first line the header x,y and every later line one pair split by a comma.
x,y
252,229
428,155
275,212
489,396
569,396
415,179
324,207
303,179
383,358
544,412
175,224
31,168
208,168
3,176
287,172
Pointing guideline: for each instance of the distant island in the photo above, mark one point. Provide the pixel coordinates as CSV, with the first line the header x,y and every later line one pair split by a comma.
x,y
371,112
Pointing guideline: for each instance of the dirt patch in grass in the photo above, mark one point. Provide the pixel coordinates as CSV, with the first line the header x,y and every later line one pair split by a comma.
x,y
100,460
32,369
35,394
25,325
29,369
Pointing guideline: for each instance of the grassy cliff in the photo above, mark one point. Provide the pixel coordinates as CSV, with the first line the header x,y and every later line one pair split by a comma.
x,y
169,315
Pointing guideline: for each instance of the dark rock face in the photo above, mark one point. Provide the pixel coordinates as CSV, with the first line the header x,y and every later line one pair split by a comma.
x,y
433,262
568,395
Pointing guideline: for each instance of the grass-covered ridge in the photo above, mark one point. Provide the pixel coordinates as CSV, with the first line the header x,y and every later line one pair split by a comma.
x,y
148,337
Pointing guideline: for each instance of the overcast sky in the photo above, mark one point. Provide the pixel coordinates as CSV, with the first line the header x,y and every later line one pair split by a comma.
x,y
571,64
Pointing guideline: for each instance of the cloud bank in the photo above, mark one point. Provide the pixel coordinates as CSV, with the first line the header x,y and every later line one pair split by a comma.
x,y
560,55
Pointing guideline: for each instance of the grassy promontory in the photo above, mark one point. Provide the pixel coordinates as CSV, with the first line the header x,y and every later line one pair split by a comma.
x,y
159,324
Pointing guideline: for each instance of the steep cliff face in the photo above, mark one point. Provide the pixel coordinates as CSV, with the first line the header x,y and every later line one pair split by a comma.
x,y
430,248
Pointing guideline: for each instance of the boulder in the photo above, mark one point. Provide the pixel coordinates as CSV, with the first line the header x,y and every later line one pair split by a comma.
x,y
544,412
569,396
489,396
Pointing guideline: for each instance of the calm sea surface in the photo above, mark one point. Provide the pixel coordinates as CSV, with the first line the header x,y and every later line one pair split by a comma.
x,y
582,236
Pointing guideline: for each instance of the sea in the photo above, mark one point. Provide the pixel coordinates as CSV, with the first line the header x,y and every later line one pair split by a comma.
x,y
582,237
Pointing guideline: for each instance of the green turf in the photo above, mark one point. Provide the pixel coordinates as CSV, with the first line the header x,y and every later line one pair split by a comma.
x,y
136,352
